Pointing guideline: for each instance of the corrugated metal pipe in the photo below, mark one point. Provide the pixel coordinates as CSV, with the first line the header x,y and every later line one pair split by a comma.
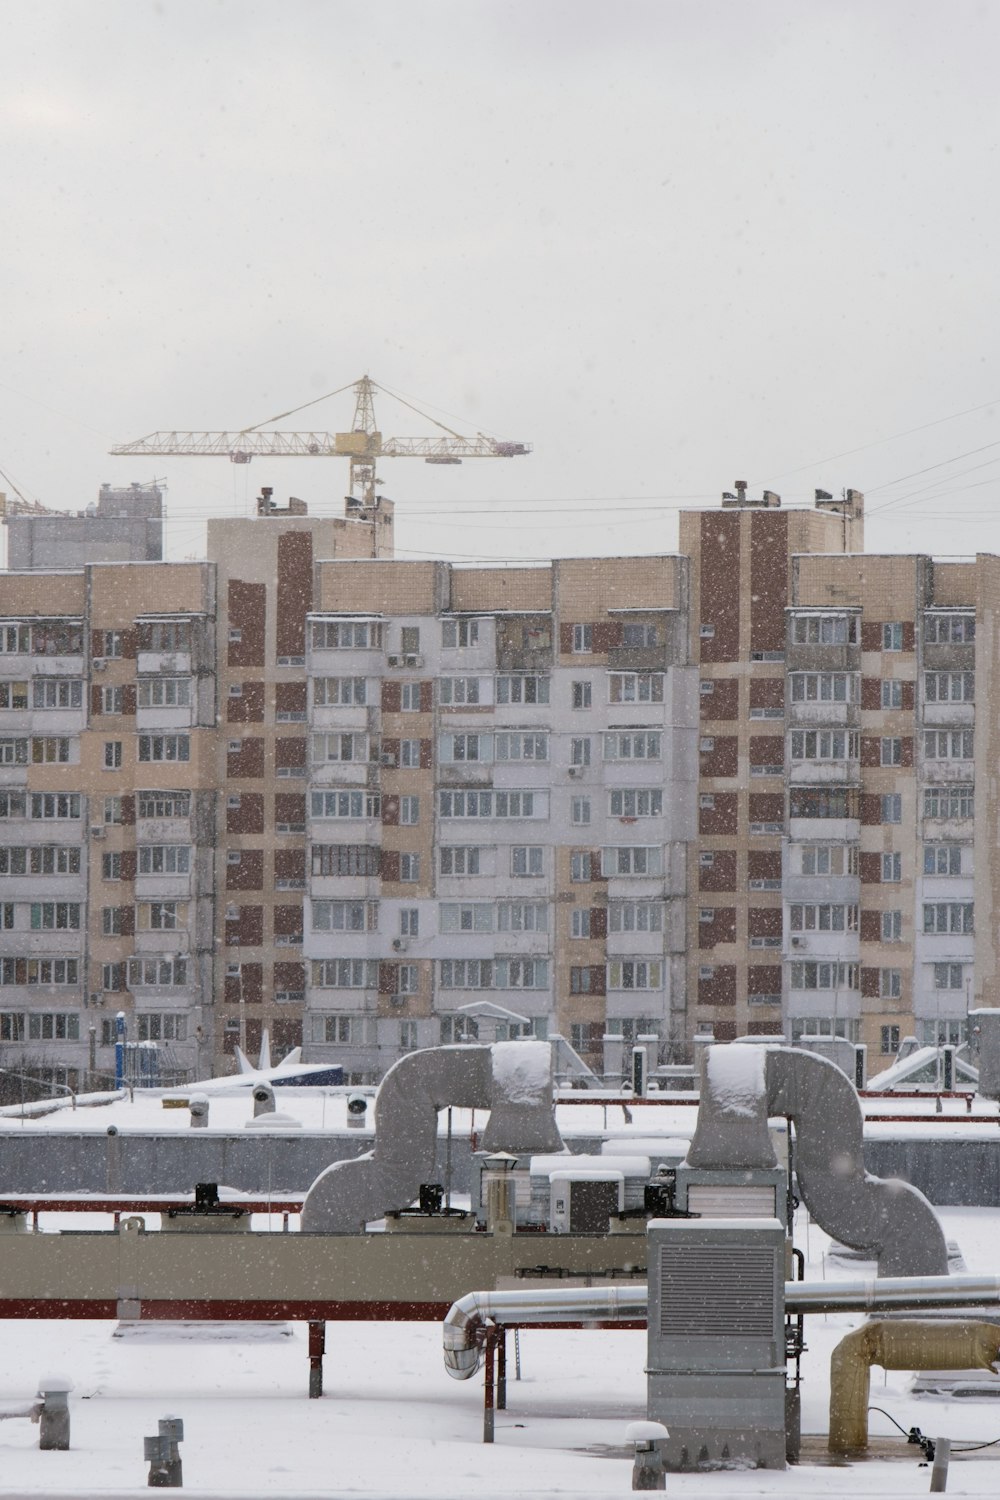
x,y
626,1302
903,1345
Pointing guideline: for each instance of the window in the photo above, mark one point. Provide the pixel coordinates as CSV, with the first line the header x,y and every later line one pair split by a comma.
x,y
112,755
824,744
942,1033
346,635
629,1028
164,692
409,921
892,636
53,1026
330,692
890,751
521,973
111,921
635,974
824,687
632,859
409,639
340,747
55,805
15,640
11,1026
822,917
112,700
892,807
161,805
466,916
345,973
164,859
57,692
632,745
114,643
345,804
892,868
584,981
942,859
580,922
940,630
890,983
948,744
487,804
824,630
948,917
409,868
460,859
809,974
829,859
949,687
156,973
453,692
55,916
409,697
408,1039
465,747
949,802
579,866
890,1040
636,802
522,688
13,752
39,859
161,916
409,754
49,751
113,977
521,746
466,973
345,859
459,633
635,916
527,859
947,976
580,811
346,1031
344,916
522,916
13,695
166,635
892,695
892,926
636,637
635,687
409,810
581,694
165,1027
583,636
164,747
579,751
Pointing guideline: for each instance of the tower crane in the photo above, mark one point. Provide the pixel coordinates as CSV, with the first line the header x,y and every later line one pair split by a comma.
x,y
363,446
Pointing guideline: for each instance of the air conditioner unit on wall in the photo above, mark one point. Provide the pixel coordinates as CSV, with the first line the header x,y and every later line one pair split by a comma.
x,y
397,1000
399,945
99,664
97,830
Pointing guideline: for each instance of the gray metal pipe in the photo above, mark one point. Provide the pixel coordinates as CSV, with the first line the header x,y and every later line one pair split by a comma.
x,y
615,1304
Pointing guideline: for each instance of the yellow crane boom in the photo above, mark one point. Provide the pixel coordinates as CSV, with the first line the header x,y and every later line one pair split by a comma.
x,y
362,446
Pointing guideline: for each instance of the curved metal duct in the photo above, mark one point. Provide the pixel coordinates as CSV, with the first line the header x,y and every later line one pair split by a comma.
x,y
604,1304
741,1087
513,1080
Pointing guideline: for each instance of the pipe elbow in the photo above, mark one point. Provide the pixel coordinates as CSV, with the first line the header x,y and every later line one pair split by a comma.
x,y
462,1350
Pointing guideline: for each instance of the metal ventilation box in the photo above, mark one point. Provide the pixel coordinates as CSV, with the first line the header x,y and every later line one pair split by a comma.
x,y
716,1354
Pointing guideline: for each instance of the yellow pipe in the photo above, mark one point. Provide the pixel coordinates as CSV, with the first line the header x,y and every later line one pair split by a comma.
x,y
910,1344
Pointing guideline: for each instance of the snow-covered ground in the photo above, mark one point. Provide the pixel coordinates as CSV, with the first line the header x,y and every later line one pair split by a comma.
x,y
393,1423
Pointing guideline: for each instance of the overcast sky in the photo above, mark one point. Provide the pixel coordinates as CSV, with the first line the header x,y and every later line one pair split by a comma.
x,y
670,244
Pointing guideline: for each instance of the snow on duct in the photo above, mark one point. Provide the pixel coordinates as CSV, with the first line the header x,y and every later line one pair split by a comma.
x,y
513,1080
742,1087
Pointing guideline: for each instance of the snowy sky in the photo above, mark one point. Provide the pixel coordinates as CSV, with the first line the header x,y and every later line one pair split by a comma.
x,y
671,243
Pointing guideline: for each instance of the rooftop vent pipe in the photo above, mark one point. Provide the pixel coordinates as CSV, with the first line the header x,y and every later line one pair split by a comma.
x,y
513,1080
743,1086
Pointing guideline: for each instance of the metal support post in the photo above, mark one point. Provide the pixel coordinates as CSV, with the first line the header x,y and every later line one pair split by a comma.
x,y
501,1369
517,1353
317,1348
489,1416
939,1472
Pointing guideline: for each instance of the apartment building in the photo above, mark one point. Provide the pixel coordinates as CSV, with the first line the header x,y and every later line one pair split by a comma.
x,y
372,805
